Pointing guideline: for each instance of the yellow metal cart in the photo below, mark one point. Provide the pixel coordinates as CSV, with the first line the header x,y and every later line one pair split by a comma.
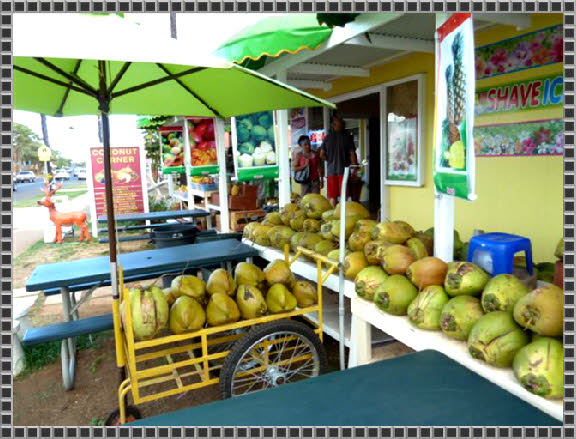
x,y
242,357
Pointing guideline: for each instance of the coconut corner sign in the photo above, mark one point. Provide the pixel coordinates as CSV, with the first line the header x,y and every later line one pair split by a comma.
x,y
454,167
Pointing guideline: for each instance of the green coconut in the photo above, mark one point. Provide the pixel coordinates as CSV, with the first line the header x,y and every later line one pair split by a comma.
x,y
369,280
358,240
374,251
186,315
149,309
306,293
315,205
539,367
278,272
417,247
311,225
465,278
425,310
324,247
221,310
280,299
365,225
502,292
496,338
541,311
250,302
353,209
459,316
248,274
395,295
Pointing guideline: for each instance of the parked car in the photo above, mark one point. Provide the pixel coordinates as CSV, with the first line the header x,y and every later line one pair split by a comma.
x,y
81,174
14,185
25,176
61,174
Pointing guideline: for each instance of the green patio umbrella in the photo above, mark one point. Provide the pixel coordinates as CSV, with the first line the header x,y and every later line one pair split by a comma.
x,y
150,122
272,37
90,65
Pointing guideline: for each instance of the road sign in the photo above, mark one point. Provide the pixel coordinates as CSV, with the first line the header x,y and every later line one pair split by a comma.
x,y
44,153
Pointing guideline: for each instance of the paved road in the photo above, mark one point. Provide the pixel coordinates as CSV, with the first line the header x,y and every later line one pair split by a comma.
x,y
30,190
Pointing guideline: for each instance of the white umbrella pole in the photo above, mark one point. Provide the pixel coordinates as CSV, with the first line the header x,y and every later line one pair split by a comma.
x,y
342,254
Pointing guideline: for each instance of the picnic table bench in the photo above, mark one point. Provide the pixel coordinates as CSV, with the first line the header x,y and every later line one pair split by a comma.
x,y
89,274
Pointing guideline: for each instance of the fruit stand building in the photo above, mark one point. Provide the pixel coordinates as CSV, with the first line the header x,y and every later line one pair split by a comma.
x,y
367,67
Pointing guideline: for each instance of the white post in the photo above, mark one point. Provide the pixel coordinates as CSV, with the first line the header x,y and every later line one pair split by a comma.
x,y
384,195
326,118
90,184
443,204
282,147
222,183
187,160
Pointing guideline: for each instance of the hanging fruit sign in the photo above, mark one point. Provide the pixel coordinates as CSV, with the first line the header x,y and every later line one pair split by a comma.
x,y
255,146
203,156
454,167
172,149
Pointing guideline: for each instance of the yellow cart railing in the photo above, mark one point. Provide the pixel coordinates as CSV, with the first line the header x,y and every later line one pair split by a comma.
x,y
173,364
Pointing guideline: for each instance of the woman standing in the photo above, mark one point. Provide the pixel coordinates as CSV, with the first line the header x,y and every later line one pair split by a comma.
x,y
310,160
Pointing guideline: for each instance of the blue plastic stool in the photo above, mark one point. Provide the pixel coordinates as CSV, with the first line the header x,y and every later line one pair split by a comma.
x,y
502,248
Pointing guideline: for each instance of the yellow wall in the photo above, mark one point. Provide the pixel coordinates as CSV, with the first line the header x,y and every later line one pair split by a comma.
x,y
521,195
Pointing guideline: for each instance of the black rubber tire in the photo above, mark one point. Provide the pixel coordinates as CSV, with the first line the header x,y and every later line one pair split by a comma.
x,y
132,414
255,334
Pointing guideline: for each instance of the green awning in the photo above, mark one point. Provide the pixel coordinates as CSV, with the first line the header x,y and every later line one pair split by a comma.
x,y
274,36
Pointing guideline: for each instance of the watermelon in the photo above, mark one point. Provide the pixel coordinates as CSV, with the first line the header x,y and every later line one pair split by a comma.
x,y
259,133
243,135
265,120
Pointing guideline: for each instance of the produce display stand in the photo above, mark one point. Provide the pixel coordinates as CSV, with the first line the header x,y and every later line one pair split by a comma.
x,y
198,359
365,313
181,124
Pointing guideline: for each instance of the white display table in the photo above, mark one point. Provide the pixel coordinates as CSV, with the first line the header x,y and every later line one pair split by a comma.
x,y
365,314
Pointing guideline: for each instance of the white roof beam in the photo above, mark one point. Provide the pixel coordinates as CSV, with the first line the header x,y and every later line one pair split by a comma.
x,y
304,83
378,41
362,24
328,69
520,21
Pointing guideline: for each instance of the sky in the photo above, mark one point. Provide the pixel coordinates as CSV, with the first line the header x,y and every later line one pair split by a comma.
x,y
73,136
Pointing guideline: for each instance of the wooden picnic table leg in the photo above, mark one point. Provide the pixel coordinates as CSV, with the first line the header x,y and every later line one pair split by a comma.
x,y
68,350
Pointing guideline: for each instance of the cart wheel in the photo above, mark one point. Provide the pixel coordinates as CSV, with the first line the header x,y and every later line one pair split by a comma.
x,y
132,414
270,355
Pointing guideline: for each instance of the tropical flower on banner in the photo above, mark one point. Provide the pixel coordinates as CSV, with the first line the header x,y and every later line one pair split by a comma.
x,y
526,51
521,139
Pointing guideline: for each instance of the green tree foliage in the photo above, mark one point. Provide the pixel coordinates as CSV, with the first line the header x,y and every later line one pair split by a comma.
x,y
25,143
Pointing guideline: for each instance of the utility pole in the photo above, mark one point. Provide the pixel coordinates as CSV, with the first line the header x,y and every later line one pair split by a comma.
x,y
173,25
46,140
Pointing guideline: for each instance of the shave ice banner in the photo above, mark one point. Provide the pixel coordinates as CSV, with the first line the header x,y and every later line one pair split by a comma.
x,y
521,96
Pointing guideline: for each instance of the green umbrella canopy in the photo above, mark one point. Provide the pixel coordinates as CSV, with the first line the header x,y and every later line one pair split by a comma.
x,y
271,37
108,65
81,65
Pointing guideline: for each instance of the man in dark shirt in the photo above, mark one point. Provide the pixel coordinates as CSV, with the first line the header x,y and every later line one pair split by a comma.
x,y
339,152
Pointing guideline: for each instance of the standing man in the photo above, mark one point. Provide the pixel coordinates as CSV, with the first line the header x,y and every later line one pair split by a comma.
x,y
339,152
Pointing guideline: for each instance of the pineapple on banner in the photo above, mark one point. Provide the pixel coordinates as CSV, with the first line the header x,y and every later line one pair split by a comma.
x,y
454,170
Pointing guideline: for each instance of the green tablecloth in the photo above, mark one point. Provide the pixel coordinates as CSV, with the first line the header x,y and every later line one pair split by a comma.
x,y
421,389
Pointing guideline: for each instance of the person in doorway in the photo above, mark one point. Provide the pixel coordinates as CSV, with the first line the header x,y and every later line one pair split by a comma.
x,y
339,151
307,158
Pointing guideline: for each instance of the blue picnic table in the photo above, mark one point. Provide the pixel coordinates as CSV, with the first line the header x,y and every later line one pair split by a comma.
x,y
89,274
157,216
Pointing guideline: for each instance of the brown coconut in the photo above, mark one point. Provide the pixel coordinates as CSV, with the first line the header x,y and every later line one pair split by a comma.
x,y
428,271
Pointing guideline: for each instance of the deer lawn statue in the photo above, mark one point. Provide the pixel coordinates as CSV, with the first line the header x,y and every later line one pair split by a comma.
x,y
64,219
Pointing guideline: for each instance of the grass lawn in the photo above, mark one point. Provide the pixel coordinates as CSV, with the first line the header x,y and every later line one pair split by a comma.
x,y
33,202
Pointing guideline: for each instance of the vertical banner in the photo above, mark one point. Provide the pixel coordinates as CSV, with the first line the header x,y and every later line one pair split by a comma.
x,y
255,146
454,166
128,180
